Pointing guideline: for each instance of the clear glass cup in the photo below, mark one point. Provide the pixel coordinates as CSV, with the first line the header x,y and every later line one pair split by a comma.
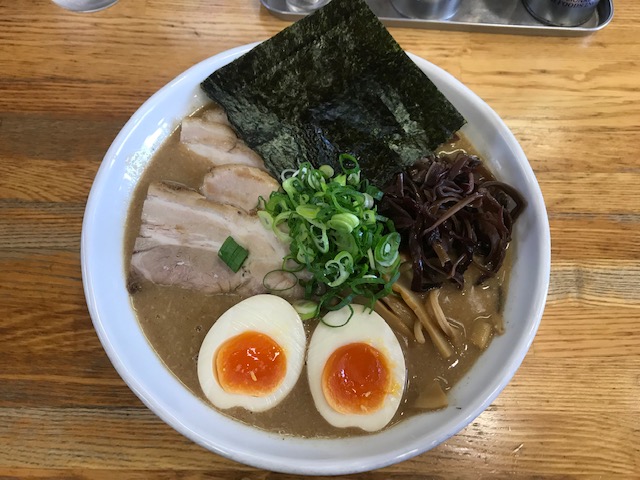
x,y
303,6
565,13
85,6
427,9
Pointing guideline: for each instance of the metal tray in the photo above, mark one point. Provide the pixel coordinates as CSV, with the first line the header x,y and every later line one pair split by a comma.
x,y
493,16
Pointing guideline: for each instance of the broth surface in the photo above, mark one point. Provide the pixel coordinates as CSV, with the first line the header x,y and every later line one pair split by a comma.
x,y
176,320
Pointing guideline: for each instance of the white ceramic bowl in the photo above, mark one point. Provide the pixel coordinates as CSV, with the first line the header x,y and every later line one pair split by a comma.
x,y
114,320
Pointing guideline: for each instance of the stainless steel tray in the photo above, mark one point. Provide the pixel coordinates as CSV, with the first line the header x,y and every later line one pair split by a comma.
x,y
494,16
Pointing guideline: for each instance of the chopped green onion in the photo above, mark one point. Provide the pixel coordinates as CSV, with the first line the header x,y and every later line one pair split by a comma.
x,y
349,163
369,217
287,173
375,192
368,201
340,319
334,232
341,180
233,254
320,238
372,262
339,268
266,219
386,252
307,211
279,280
343,222
307,309
326,170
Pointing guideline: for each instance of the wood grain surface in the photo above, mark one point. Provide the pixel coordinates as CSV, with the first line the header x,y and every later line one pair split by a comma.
x,y
69,82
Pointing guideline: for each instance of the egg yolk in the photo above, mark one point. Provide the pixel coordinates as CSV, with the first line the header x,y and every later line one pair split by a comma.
x,y
356,379
250,364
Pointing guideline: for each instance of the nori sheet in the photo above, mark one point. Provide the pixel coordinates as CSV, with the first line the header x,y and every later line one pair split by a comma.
x,y
334,82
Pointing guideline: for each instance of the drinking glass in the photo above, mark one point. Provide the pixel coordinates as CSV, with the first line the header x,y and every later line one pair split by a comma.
x,y
427,9
566,13
84,6
303,6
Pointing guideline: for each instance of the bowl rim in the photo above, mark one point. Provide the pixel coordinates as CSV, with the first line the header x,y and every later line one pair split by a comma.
x,y
323,465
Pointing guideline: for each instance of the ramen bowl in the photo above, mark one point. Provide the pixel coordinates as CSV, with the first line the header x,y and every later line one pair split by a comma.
x,y
104,276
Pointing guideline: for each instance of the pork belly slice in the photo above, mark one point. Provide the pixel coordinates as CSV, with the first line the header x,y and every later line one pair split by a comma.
x,y
181,233
200,131
215,113
215,140
238,185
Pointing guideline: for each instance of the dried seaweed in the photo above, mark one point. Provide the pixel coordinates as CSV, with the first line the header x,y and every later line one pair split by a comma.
x,y
334,82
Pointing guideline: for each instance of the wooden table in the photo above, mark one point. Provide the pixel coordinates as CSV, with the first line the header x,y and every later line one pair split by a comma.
x,y
69,82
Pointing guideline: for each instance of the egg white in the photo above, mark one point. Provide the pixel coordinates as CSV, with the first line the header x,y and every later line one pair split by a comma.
x,y
266,314
363,327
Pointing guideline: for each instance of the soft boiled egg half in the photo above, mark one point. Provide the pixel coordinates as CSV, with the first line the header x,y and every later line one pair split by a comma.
x,y
253,354
356,371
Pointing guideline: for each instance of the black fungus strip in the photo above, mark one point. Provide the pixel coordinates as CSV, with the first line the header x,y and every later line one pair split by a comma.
x,y
451,213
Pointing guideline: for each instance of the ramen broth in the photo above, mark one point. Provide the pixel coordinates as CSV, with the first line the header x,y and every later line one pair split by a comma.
x,y
175,320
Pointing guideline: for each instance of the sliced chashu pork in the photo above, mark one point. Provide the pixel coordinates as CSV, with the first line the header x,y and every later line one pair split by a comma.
x,y
238,185
212,138
181,233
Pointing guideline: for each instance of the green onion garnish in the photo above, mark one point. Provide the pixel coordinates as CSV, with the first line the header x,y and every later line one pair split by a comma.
x,y
331,221
306,309
233,254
